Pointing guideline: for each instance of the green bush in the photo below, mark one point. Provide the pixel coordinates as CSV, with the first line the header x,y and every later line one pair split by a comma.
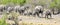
x,y
2,20
55,4
21,2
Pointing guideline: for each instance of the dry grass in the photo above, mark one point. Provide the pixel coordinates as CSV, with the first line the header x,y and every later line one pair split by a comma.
x,y
30,20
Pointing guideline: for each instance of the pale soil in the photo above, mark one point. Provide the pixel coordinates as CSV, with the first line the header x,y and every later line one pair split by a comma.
x,y
35,20
30,20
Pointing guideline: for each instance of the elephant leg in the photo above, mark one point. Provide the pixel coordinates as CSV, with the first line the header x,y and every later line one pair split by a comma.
x,y
47,16
50,16
37,14
42,14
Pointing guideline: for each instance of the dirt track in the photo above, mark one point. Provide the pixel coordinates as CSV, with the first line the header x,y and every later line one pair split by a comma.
x,y
54,21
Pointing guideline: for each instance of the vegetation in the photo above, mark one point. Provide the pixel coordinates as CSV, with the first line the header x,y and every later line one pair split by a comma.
x,y
55,4
2,20
21,2
15,16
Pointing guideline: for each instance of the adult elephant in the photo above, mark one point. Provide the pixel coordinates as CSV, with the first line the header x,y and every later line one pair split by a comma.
x,y
55,11
22,9
9,9
2,7
16,8
38,10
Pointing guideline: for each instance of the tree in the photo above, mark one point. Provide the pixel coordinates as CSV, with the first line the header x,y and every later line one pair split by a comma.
x,y
55,4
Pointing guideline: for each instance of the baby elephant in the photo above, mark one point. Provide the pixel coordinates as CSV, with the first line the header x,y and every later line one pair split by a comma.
x,y
47,14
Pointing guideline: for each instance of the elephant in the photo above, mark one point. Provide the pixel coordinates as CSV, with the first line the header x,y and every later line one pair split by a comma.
x,y
48,13
28,12
9,9
22,9
2,7
16,8
38,10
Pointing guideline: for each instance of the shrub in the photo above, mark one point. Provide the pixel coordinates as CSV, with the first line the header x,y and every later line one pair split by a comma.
x,y
2,20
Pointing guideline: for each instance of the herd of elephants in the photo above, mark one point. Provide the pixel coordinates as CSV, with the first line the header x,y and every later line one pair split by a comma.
x,y
26,10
